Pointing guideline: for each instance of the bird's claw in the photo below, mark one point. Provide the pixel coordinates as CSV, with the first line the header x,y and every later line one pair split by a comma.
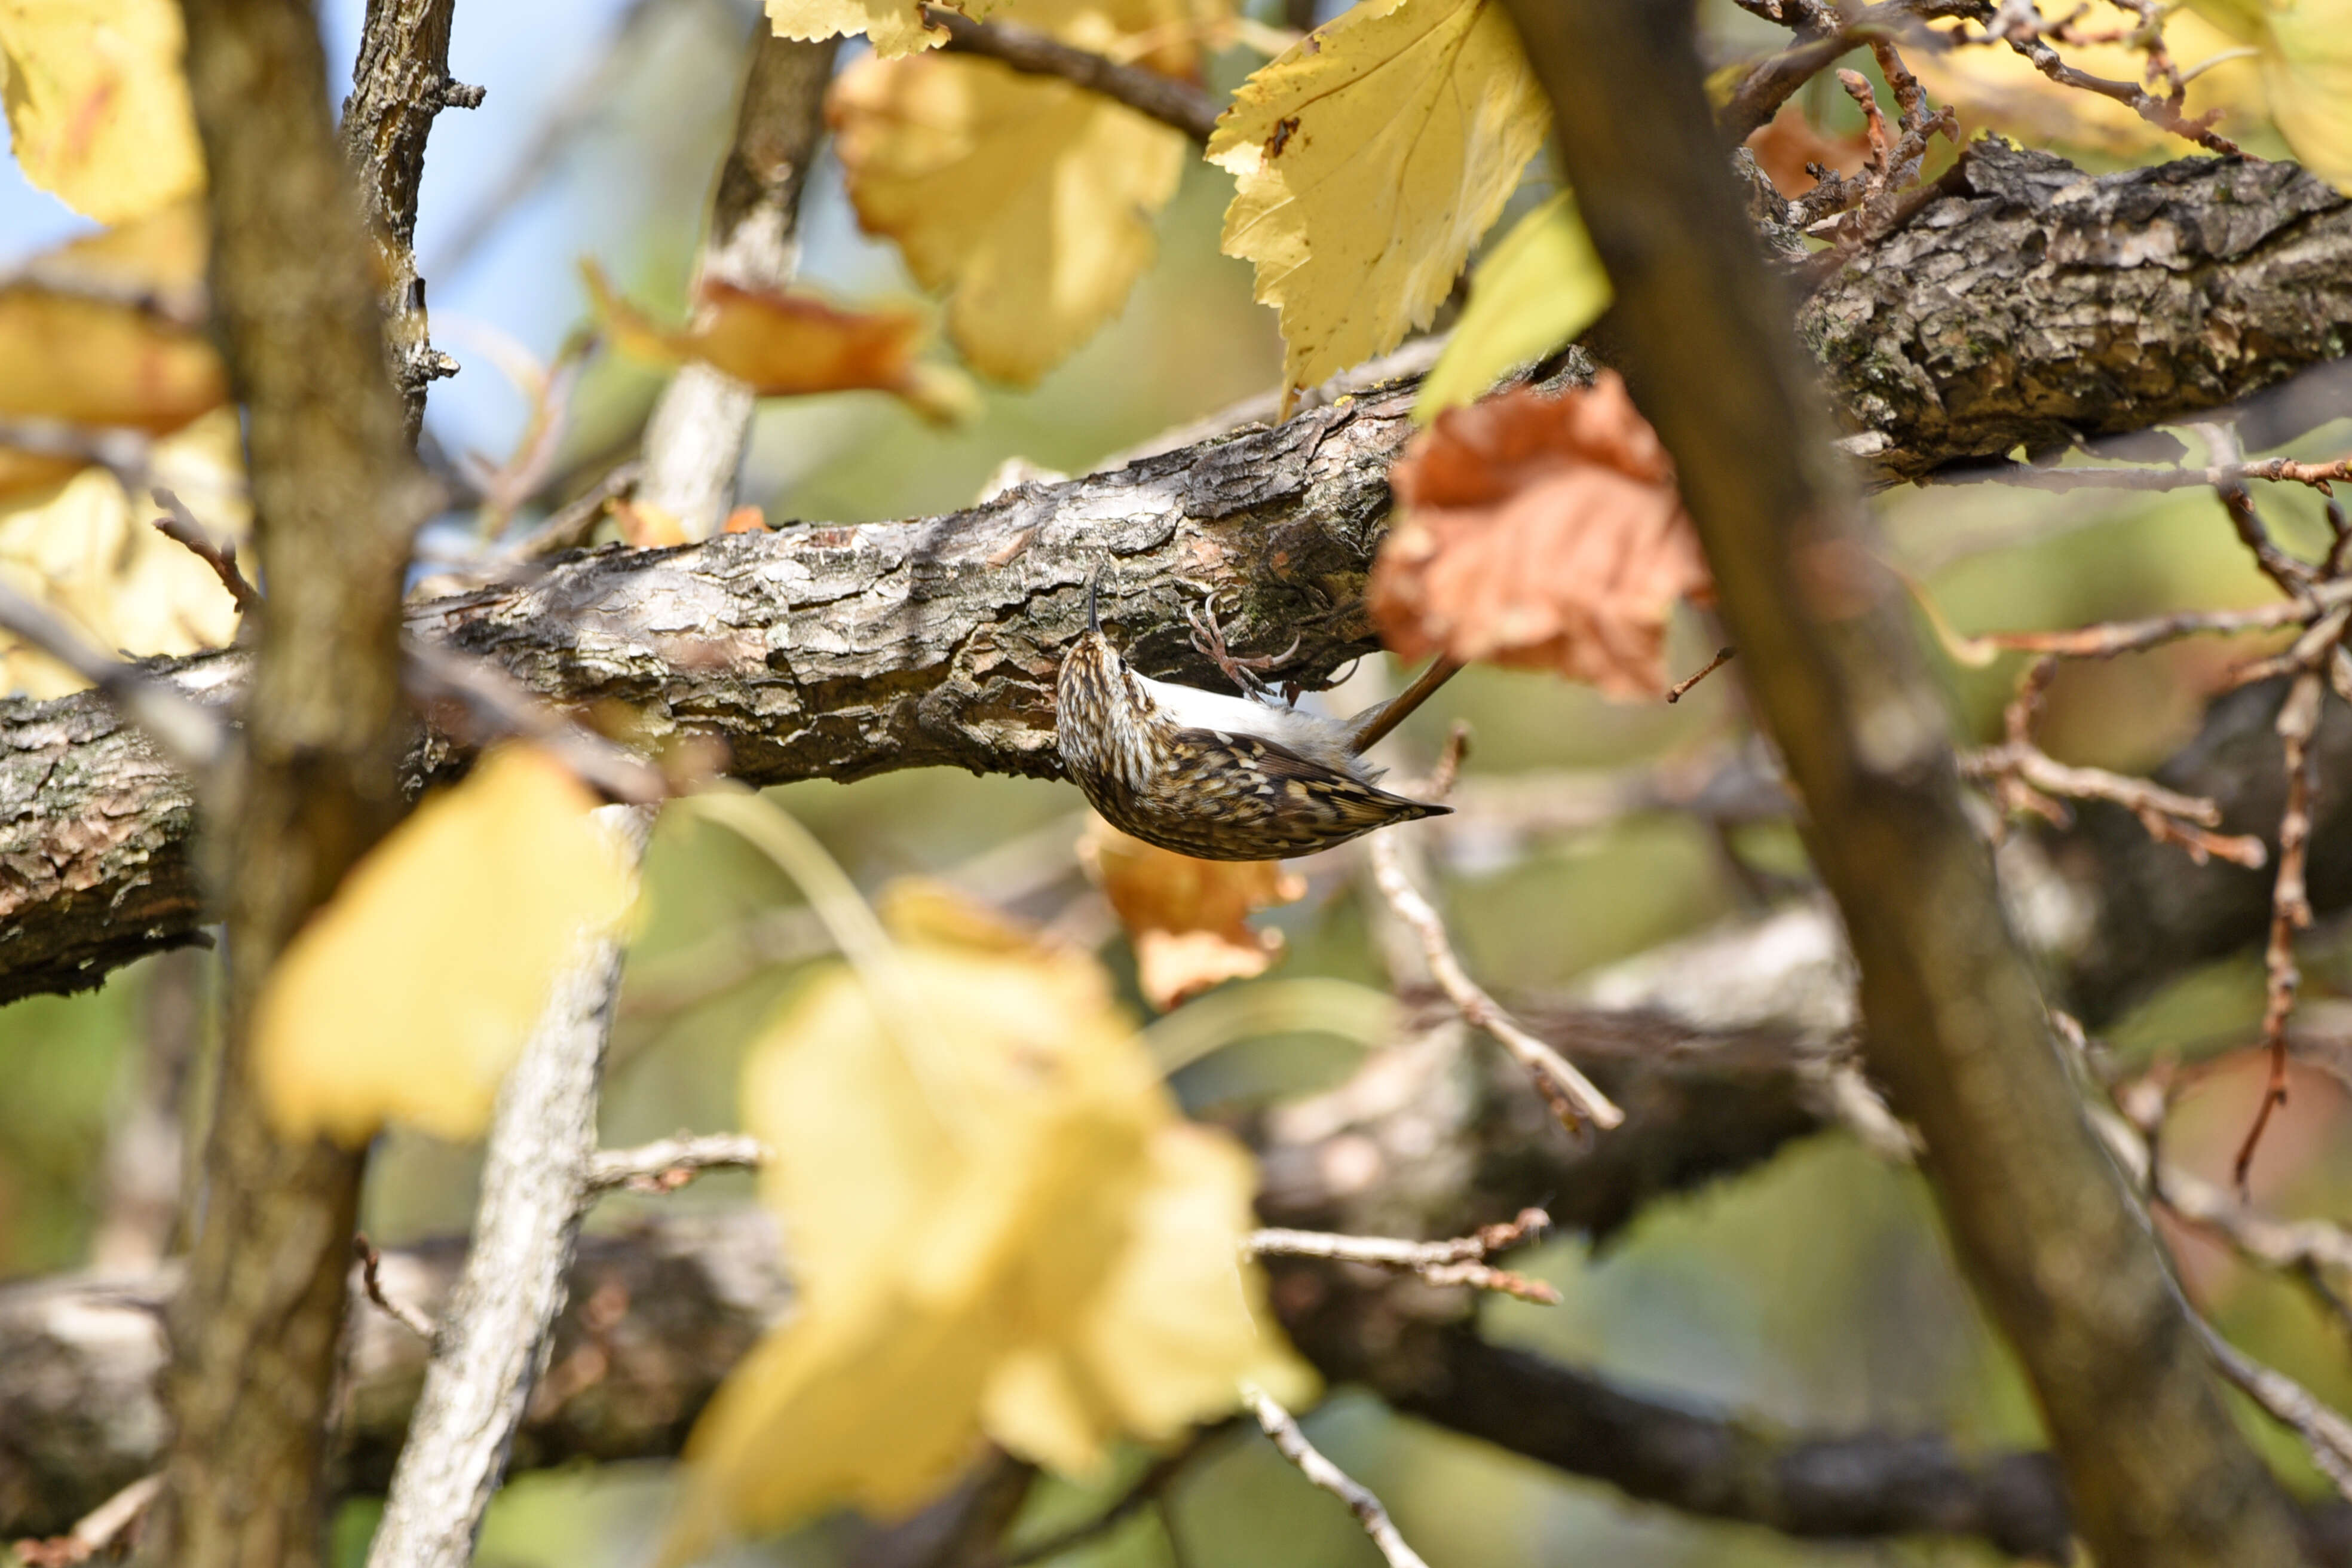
x,y
1209,640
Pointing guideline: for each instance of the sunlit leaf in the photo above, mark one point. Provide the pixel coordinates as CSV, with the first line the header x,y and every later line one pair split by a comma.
x,y
1368,161
1026,201
107,330
1187,918
1539,533
1534,292
963,1221
98,109
88,551
894,28
789,345
2306,51
408,997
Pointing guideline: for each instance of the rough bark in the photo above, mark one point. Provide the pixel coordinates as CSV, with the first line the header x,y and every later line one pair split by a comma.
x,y
1954,1026
399,86
336,502
496,1336
2035,306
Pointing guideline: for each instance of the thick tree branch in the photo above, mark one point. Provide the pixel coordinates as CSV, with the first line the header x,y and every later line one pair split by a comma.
x,y
845,652
1955,1028
2036,306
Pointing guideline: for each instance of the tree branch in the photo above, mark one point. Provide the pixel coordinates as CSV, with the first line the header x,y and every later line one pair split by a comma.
x,y
399,84
336,503
1955,1027
1174,103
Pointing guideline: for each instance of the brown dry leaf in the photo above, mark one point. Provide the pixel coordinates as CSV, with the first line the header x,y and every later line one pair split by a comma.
x,y
1000,1205
409,994
108,331
789,345
1187,920
98,108
1027,202
1367,161
87,550
1791,141
1539,533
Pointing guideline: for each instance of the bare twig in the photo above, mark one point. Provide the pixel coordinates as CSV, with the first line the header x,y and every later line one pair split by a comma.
x,y
190,734
101,1531
2325,1435
500,705
371,1263
2021,31
2298,720
1148,1490
2276,470
1680,688
1171,102
1461,1261
570,527
1278,1426
669,1164
183,528
1572,1097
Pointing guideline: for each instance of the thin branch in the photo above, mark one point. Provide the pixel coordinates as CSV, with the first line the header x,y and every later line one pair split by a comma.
x,y
1461,1261
670,1163
1148,1490
1572,1096
2325,1435
498,706
1171,102
191,735
2321,477
109,1524
183,528
1278,1426
500,1321
1680,688
371,1263
569,527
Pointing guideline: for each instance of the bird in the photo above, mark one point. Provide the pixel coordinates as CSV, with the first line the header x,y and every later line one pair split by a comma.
x,y
1218,777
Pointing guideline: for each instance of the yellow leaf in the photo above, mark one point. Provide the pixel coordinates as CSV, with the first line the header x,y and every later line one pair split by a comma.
x,y
409,994
2306,65
98,109
1367,161
962,1227
1026,201
109,329
1533,293
1163,1340
1997,89
1187,918
894,28
88,551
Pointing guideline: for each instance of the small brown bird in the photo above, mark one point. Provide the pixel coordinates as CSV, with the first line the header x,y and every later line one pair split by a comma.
x,y
1217,777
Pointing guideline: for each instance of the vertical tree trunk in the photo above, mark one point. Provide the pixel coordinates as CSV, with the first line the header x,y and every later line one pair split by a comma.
x,y
1956,1029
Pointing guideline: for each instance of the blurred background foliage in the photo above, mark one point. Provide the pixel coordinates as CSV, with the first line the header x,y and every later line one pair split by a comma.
x,y
1816,1291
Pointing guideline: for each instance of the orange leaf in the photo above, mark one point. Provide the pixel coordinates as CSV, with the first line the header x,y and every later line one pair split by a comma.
x,y
745,520
787,344
1187,920
1791,141
1540,534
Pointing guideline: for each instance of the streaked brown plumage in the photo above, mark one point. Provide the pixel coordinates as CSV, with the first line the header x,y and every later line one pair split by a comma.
x,y
1216,777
